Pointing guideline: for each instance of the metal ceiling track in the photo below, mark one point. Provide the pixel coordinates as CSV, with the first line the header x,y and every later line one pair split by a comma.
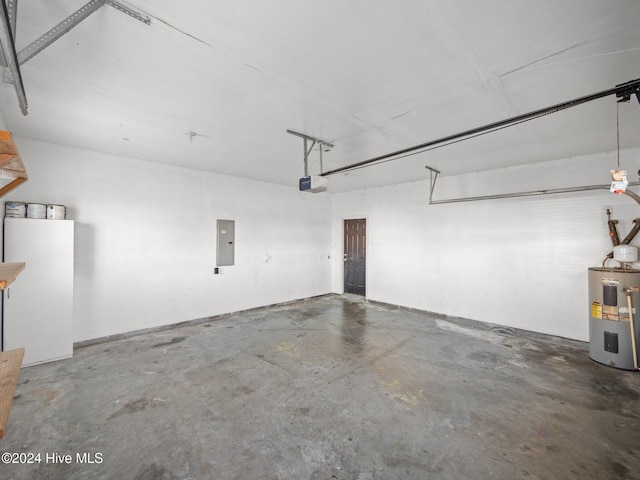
x,y
321,143
7,38
549,191
71,21
129,11
623,91
13,60
12,10
327,145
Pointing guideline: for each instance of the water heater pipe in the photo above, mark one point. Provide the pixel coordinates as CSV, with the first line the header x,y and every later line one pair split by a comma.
x,y
613,229
628,290
630,236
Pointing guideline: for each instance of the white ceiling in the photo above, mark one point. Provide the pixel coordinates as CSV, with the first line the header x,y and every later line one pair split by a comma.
x,y
370,76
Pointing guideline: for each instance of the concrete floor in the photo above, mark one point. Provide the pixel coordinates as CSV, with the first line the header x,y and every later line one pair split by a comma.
x,y
328,388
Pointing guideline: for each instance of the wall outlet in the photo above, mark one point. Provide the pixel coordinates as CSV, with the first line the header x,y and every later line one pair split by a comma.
x,y
216,270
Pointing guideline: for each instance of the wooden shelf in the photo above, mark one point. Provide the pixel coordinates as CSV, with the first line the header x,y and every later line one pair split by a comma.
x,y
10,363
9,272
11,165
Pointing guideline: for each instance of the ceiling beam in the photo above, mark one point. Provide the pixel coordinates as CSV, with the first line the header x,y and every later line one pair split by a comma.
x,y
13,60
58,31
12,7
128,11
73,20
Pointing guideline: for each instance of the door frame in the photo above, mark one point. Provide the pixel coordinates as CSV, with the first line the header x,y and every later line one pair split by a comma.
x,y
366,258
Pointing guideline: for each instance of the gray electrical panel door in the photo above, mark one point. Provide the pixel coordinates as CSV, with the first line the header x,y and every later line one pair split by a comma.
x,y
225,242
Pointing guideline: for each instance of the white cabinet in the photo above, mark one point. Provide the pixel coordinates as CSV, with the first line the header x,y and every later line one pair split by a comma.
x,y
37,309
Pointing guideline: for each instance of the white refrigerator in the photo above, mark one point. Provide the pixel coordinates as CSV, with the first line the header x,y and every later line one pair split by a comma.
x,y
37,308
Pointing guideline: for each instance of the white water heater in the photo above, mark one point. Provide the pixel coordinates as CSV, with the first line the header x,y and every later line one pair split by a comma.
x,y
610,338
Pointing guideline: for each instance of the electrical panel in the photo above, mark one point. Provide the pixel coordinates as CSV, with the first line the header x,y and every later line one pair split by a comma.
x,y
225,242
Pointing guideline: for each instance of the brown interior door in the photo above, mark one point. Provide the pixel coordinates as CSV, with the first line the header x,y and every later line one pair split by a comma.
x,y
355,265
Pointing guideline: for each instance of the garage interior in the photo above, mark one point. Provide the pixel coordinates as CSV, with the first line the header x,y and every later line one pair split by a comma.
x,y
420,308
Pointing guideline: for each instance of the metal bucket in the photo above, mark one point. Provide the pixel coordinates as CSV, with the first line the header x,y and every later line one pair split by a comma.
x,y
36,210
15,209
56,212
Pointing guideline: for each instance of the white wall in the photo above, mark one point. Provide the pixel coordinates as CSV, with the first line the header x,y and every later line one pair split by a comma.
x,y
145,241
145,238
518,262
